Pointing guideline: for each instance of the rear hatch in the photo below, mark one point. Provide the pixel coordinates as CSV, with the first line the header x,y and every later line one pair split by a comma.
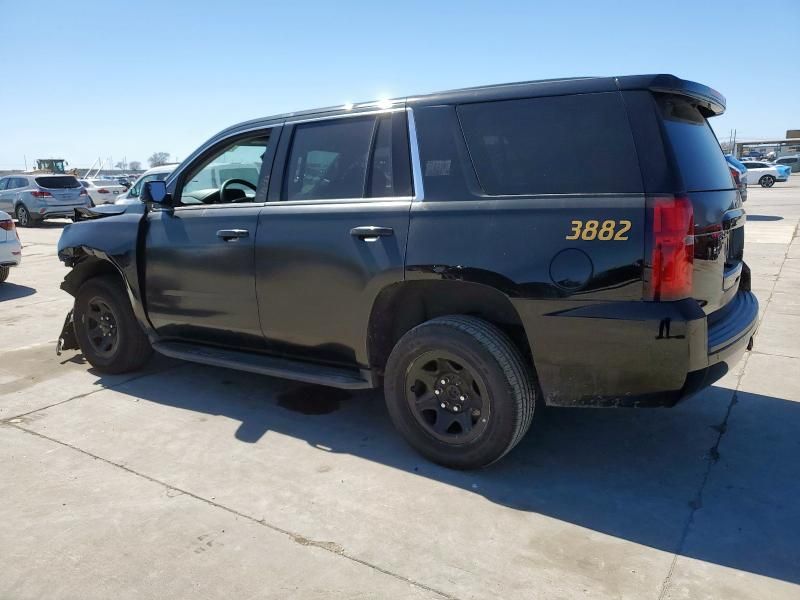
x,y
706,181
63,189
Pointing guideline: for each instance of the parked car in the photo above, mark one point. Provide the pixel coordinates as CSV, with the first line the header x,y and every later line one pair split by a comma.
x,y
32,198
10,246
155,174
791,161
764,173
102,191
444,247
739,174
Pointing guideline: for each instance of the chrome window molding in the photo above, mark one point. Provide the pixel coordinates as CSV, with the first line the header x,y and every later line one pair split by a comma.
x,y
416,166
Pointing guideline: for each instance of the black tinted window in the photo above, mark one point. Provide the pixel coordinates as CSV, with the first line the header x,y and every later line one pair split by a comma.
x,y
328,159
694,145
57,182
560,145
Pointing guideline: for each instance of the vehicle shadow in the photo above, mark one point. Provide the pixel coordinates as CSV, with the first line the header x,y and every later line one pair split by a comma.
x,y
764,218
633,474
13,291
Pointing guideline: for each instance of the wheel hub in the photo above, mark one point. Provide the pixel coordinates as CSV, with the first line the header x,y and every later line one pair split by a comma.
x,y
447,397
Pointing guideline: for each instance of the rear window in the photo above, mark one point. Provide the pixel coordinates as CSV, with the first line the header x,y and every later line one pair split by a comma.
x,y
58,182
694,145
558,145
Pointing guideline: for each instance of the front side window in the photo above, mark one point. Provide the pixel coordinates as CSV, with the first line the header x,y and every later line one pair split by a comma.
x,y
328,160
230,175
3,183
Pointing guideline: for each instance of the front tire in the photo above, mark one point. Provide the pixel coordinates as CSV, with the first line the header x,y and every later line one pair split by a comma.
x,y
767,181
108,333
459,391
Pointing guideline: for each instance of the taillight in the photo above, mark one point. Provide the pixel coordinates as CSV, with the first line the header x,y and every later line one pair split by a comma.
x,y
102,191
7,224
671,230
41,194
735,174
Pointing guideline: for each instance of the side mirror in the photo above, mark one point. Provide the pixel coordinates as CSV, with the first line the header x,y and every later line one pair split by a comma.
x,y
155,191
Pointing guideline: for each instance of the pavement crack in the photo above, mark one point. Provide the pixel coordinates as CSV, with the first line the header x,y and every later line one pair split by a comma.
x,y
171,490
713,455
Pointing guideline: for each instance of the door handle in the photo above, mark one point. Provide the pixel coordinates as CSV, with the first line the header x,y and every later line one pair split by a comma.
x,y
370,233
232,234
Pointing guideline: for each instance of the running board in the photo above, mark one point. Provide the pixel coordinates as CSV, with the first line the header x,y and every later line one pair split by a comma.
x,y
349,379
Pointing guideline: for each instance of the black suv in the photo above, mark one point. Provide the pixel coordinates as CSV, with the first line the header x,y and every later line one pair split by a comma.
x,y
477,252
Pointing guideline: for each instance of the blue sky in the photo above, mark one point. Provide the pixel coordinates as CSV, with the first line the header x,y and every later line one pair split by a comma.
x,y
86,79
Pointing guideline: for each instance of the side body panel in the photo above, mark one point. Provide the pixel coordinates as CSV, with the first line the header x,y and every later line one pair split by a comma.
x,y
593,340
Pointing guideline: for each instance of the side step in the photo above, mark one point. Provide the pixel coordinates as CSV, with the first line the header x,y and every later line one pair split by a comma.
x,y
349,379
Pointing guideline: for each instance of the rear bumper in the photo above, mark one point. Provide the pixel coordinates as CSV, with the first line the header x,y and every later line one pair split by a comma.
x,y
10,253
629,354
55,211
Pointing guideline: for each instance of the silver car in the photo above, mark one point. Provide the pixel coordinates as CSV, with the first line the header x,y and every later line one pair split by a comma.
x,y
34,198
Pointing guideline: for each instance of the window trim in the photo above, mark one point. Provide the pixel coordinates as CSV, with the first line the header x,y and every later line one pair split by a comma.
x,y
175,180
280,163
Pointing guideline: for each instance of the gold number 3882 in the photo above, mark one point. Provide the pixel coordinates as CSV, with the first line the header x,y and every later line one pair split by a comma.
x,y
595,230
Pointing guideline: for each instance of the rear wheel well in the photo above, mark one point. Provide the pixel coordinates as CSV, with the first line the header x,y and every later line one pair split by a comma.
x,y
401,307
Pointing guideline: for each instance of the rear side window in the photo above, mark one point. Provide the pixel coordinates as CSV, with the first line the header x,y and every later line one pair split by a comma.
x,y
58,182
556,145
694,145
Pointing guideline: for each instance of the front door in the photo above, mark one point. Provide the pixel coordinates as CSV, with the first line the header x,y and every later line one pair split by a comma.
x,y
333,234
199,261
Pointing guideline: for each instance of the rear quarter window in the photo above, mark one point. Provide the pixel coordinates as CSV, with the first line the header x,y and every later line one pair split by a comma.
x,y
578,144
694,146
58,182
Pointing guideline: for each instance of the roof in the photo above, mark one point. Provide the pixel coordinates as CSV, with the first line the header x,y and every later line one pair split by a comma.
x,y
710,101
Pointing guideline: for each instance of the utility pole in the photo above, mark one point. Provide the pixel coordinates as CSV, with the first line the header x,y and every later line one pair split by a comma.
x,y
25,158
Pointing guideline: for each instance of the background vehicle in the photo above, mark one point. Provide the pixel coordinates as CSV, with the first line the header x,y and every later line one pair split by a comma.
x,y
102,191
33,198
764,174
445,248
739,174
131,196
10,247
791,161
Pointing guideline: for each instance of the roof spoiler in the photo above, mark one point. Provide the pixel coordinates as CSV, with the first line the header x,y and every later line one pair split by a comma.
x,y
710,102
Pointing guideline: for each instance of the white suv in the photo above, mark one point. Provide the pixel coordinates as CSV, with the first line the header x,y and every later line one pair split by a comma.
x,y
154,174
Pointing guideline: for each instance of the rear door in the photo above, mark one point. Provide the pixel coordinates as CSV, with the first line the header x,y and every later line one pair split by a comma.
x,y
333,234
64,190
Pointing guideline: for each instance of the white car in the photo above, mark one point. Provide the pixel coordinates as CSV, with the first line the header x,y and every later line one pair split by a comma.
x,y
10,247
102,191
762,173
154,174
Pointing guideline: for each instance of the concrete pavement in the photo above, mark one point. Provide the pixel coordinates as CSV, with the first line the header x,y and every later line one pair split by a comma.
x,y
190,481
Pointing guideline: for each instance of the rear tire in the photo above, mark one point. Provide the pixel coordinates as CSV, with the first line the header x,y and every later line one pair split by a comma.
x,y
108,333
459,391
767,181
24,217
4,271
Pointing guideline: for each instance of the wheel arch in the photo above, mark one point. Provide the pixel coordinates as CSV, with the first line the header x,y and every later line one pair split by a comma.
x,y
402,306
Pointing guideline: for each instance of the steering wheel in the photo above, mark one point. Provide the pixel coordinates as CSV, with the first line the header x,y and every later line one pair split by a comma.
x,y
225,185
